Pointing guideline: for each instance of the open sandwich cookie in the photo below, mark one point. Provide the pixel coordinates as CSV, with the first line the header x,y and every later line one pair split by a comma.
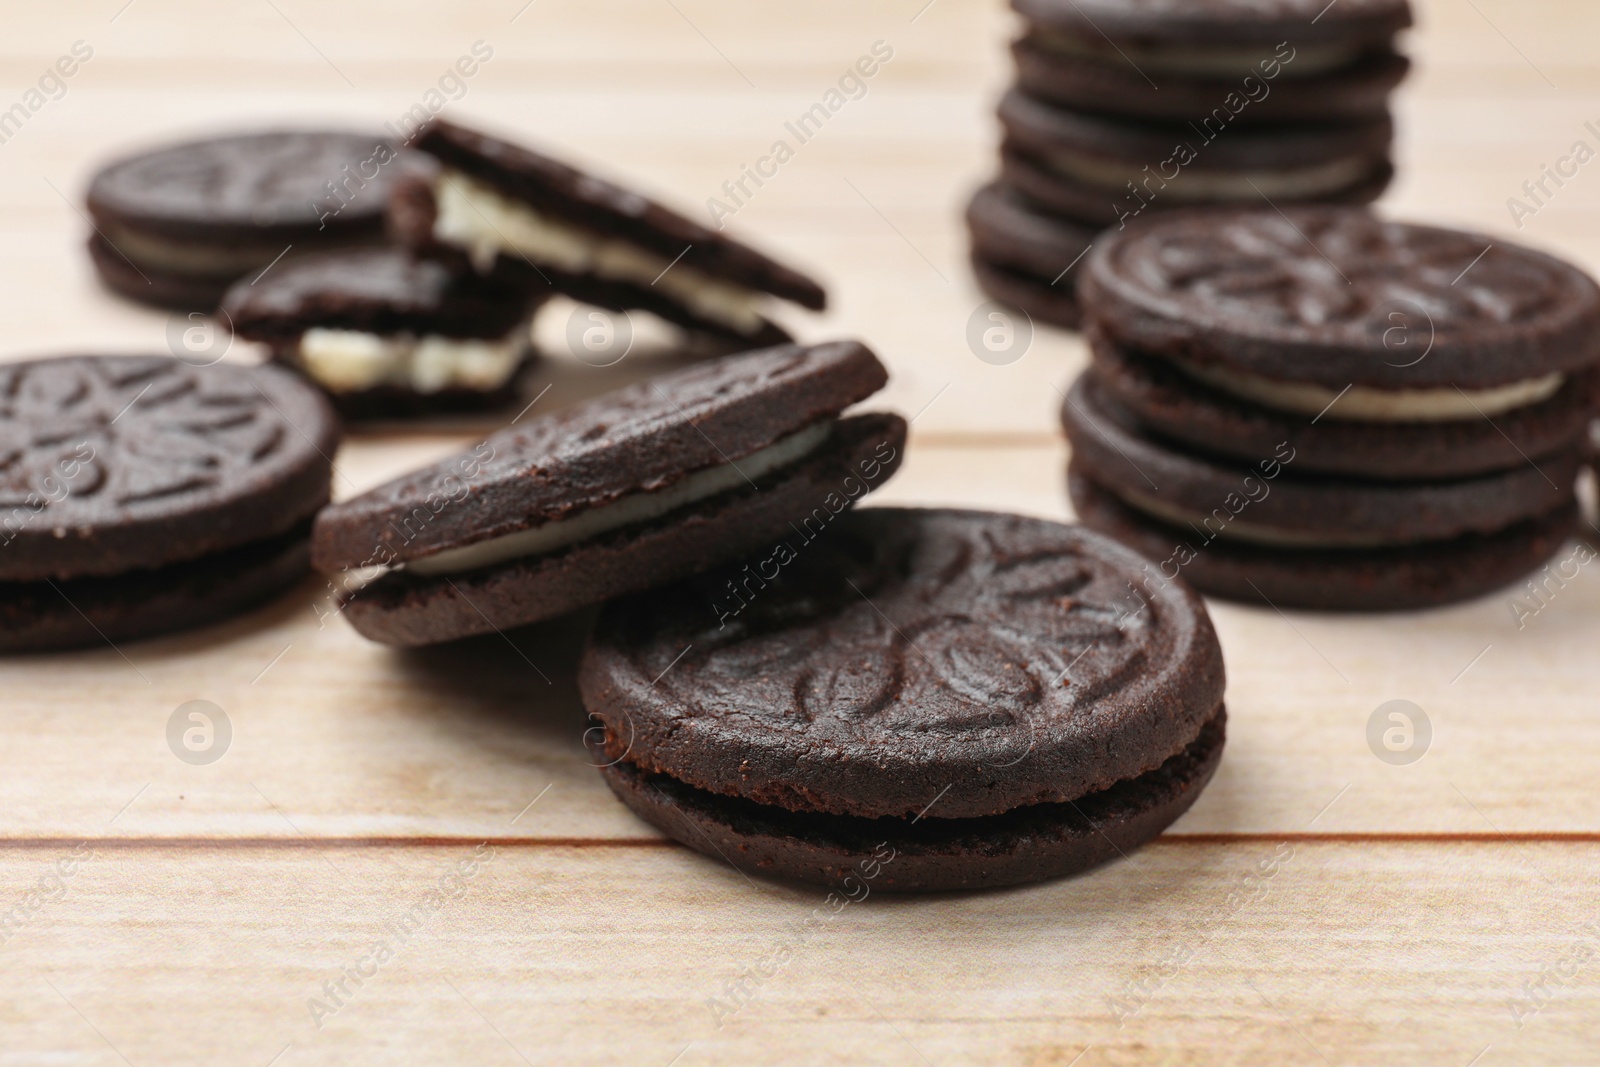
x,y
387,334
508,208
635,488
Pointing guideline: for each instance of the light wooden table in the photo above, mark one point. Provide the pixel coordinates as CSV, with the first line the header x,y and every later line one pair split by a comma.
x,y
1409,914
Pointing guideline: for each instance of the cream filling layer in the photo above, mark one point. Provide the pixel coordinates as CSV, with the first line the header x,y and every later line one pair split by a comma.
x,y
1213,61
1235,529
1362,404
636,508
347,361
1190,185
223,261
488,223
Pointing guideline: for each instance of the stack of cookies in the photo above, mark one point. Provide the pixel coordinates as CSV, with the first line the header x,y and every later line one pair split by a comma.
x,y
1321,409
1123,108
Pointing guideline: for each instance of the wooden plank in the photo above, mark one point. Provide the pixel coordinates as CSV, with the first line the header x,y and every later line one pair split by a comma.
x,y
1259,951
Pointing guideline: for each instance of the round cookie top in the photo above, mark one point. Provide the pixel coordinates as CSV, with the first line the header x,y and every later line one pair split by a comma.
x,y
277,183
373,290
908,656
1221,21
644,437
113,463
1337,297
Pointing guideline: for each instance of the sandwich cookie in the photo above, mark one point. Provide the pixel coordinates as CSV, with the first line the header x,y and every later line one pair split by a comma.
x,y
1101,170
1024,257
1188,413
641,486
505,207
139,495
387,334
1269,61
1286,310
918,700
176,226
1322,409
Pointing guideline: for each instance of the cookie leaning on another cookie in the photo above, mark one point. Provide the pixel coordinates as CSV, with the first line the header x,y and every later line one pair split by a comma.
x,y
913,700
638,487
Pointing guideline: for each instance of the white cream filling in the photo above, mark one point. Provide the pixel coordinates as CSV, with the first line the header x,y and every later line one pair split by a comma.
x,y
1190,185
196,257
1205,61
1364,404
1236,529
636,508
488,223
347,361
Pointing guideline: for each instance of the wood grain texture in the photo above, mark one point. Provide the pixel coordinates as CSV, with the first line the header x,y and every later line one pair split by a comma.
x,y
1316,906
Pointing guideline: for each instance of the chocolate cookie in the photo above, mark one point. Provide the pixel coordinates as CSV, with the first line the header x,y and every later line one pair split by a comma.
x,y
1025,257
1271,503
1329,298
982,694
177,225
635,488
1402,578
1267,88
510,208
1183,410
387,334
1103,171
146,495
1206,24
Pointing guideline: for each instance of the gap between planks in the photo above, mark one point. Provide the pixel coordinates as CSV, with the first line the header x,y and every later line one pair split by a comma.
x,y
1555,837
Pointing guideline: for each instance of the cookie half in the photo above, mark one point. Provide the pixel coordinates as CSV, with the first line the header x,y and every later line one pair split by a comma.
x,y
1104,171
634,488
1291,308
507,207
1270,503
177,225
387,334
1402,578
1187,412
143,495
1265,87
975,694
1025,257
